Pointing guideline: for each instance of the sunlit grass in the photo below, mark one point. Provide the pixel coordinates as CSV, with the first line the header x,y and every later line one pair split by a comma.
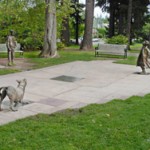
x,y
4,71
117,125
70,54
131,60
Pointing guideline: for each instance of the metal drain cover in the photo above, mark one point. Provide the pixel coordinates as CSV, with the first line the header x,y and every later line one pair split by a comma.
x,y
67,78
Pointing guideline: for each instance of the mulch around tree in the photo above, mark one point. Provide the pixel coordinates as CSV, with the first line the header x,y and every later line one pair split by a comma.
x,y
21,64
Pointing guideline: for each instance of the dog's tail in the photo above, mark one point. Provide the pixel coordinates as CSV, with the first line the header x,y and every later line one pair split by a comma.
x,y
3,92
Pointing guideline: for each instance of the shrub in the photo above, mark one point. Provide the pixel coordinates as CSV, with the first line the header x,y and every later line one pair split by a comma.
x,y
60,45
119,39
101,32
31,43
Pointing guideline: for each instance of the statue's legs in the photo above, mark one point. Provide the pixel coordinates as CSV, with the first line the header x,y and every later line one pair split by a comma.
x,y
10,57
143,70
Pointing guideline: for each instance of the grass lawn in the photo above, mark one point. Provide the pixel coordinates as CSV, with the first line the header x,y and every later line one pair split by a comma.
x,y
70,54
75,55
117,125
8,71
131,60
65,56
136,46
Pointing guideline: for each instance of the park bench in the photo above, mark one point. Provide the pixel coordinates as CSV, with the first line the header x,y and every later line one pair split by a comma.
x,y
3,49
113,49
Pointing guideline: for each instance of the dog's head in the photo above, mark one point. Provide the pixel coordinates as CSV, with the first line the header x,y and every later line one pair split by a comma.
x,y
22,83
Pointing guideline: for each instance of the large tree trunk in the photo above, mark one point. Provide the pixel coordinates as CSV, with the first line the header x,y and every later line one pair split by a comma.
x,y
50,48
89,14
121,23
77,28
111,19
65,34
129,22
77,23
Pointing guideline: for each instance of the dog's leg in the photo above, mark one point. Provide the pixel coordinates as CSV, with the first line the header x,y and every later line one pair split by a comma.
x,y
16,103
11,106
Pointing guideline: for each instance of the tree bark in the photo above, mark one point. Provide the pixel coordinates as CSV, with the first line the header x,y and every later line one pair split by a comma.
x,y
65,34
77,28
129,22
50,48
111,19
121,23
89,15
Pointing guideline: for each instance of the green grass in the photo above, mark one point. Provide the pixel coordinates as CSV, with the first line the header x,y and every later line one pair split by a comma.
x,y
68,55
73,54
117,125
131,60
136,46
65,56
8,71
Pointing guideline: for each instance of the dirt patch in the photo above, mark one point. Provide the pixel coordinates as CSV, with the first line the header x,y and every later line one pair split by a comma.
x,y
21,64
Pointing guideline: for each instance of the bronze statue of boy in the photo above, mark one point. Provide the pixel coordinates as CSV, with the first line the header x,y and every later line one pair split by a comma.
x,y
11,44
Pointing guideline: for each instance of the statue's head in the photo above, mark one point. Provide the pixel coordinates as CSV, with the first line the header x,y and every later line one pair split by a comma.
x,y
146,43
12,32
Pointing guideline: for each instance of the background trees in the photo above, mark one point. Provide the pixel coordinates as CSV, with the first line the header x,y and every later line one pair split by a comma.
x,y
27,18
124,15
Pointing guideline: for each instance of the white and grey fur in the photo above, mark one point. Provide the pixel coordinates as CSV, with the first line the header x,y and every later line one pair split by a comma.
x,y
15,95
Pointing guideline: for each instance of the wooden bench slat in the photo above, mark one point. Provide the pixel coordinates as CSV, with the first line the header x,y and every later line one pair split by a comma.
x,y
111,49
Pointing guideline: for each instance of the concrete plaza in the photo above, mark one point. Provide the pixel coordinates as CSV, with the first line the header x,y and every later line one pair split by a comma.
x,y
74,85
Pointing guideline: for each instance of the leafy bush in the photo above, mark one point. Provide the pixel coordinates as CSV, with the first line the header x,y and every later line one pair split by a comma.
x,y
101,32
31,43
60,45
119,39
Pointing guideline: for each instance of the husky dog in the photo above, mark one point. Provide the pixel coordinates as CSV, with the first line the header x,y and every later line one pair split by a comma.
x,y
15,95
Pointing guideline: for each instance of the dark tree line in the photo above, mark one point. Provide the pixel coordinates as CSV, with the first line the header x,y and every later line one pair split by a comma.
x,y
127,17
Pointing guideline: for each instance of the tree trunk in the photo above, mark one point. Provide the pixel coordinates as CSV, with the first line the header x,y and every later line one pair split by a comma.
x,y
77,23
77,28
65,32
50,48
129,22
65,35
111,19
89,14
121,23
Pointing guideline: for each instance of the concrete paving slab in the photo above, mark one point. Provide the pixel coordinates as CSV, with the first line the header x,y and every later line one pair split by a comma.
x,y
101,81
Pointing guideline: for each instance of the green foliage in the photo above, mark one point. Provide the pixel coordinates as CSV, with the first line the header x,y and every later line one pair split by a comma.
x,y
60,45
101,32
63,11
117,125
27,18
119,39
146,30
